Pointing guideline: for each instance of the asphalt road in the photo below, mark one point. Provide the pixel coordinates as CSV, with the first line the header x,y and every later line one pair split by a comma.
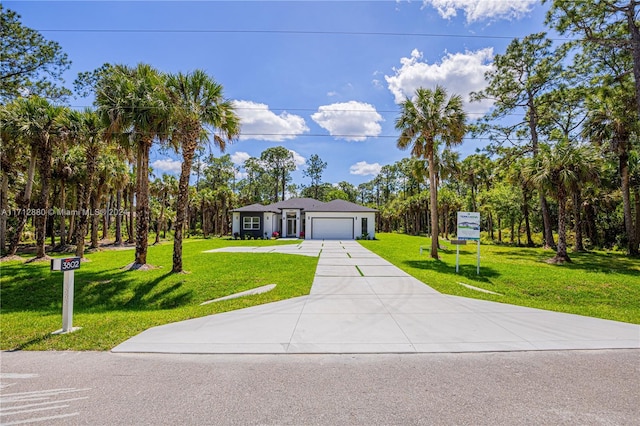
x,y
565,387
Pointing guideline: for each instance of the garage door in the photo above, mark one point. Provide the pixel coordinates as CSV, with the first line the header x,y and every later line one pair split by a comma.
x,y
332,228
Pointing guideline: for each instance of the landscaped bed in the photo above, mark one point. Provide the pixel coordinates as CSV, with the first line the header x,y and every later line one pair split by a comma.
x,y
599,284
112,305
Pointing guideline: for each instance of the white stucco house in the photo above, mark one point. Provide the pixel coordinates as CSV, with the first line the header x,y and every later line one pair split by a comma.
x,y
306,218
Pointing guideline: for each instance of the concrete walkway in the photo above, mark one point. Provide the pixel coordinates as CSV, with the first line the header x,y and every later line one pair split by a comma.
x,y
360,303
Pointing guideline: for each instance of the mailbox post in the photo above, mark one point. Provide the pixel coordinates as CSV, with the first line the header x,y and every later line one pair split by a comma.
x,y
67,266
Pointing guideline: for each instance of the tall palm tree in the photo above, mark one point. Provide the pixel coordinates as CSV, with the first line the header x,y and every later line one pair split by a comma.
x,y
133,102
609,124
426,121
38,122
198,102
85,128
14,145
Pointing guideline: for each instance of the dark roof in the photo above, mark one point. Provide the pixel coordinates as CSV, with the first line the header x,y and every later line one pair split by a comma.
x,y
306,204
297,203
341,206
256,208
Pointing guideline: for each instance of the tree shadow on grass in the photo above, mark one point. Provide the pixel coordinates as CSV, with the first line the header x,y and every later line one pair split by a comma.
x,y
607,263
36,288
467,272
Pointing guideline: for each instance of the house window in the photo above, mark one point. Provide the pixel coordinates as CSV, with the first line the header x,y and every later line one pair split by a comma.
x,y
251,222
365,228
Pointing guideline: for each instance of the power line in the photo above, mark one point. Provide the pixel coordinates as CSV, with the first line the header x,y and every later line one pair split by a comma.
x,y
272,109
289,136
286,32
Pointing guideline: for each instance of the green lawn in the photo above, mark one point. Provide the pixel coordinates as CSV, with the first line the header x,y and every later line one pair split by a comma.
x,y
112,305
599,284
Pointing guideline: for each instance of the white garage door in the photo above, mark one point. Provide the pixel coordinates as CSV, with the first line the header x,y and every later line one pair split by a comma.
x,y
331,228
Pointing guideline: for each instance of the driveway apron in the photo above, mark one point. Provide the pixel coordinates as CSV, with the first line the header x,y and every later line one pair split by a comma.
x,y
360,303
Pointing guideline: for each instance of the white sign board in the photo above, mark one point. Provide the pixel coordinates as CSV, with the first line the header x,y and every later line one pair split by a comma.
x,y
469,226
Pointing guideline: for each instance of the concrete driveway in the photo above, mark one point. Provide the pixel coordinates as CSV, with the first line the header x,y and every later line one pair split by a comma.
x,y
360,303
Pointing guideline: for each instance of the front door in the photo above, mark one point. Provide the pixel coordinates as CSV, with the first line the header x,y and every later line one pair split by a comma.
x,y
291,225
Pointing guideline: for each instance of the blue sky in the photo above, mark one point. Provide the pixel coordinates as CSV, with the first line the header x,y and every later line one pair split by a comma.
x,y
316,77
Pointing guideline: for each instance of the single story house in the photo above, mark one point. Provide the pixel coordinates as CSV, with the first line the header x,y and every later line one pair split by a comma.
x,y
305,217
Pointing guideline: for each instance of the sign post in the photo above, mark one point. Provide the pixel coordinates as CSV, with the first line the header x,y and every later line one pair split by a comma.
x,y
67,266
469,229
458,243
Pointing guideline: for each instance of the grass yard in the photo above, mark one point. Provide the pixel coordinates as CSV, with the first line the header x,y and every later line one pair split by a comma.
x,y
112,305
598,284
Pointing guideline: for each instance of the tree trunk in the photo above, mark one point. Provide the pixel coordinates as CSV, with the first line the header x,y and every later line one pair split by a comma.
x,y
434,202
513,224
4,207
24,205
561,252
189,146
636,192
85,198
577,217
118,240
106,217
130,238
526,213
142,202
544,206
590,219
491,227
63,202
632,247
499,230
546,221
95,206
72,217
519,231
161,218
43,200
51,228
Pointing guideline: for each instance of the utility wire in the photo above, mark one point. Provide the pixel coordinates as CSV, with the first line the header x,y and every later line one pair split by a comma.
x,y
271,109
292,32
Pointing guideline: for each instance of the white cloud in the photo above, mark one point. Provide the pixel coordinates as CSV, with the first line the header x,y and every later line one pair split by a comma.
x,y
238,158
259,123
480,10
351,121
363,168
169,165
459,73
298,159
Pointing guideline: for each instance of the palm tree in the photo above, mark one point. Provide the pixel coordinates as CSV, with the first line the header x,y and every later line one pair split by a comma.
x,y
554,170
517,175
38,122
198,101
14,145
585,167
133,102
120,181
85,128
428,120
609,124
63,171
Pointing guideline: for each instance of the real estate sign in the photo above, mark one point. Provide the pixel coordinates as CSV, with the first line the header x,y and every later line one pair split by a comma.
x,y
469,226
